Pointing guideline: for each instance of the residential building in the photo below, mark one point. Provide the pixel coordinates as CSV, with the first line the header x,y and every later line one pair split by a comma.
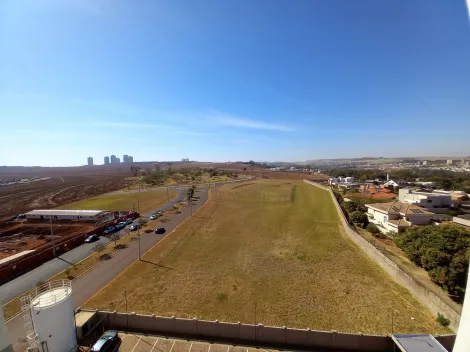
x,y
125,158
425,162
130,159
391,183
106,160
435,202
397,216
90,161
463,161
118,161
113,159
450,162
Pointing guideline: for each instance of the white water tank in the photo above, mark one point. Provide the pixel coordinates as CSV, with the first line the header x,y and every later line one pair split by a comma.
x,y
53,316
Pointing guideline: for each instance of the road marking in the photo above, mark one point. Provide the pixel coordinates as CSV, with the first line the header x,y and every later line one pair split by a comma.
x,y
172,345
209,350
189,347
136,344
154,344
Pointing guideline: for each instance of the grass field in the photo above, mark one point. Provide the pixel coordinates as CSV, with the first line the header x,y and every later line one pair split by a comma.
x,y
149,201
272,252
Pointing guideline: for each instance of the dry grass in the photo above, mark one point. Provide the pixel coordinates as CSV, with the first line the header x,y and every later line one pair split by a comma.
x,y
273,245
149,201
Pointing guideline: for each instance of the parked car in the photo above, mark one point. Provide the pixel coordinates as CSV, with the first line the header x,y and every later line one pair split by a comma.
x,y
148,231
129,221
21,216
153,217
134,227
109,230
108,342
92,238
160,230
120,225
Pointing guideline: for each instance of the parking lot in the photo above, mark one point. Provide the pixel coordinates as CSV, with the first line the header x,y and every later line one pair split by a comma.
x,y
142,343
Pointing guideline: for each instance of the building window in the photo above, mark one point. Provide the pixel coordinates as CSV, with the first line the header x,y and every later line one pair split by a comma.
x,y
429,201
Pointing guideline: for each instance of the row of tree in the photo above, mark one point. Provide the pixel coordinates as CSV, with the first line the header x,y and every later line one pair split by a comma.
x,y
444,251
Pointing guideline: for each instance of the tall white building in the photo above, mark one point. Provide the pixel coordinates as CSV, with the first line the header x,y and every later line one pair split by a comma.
x,y
90,161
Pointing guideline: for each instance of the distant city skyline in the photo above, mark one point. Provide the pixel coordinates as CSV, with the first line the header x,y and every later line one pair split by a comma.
x,y
113,159
292,81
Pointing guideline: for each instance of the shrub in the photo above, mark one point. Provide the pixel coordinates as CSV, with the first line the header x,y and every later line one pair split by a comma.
x,y
442,320
359,218
222,297
373,229
350,206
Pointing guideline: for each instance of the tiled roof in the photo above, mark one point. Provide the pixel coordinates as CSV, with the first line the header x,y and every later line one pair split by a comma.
x,y
400,222
399,208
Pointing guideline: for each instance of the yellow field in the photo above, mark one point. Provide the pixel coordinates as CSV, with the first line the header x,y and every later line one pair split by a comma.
x,y
273,252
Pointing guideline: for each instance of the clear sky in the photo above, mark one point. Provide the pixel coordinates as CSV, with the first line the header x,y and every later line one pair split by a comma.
x,y
212,80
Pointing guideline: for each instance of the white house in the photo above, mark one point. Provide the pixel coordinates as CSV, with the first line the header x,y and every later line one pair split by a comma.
x,y
391,183
397,216
435,202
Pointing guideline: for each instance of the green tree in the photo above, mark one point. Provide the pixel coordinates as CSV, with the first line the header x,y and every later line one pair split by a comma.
x,y
442,250
359,218
372,228
350,206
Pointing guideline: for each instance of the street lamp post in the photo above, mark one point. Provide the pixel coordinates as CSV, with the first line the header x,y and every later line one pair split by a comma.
x,y
53,241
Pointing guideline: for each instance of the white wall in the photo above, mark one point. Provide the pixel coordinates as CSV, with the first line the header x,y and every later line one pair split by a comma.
x,y
381,220
462,343
5,342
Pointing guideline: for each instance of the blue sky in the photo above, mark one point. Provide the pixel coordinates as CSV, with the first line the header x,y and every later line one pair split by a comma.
x,y
232,80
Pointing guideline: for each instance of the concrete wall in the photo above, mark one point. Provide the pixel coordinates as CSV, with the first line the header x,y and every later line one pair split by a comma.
x,y
461,221
244,333
428,298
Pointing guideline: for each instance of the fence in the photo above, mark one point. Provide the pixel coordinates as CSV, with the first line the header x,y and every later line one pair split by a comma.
x,y
428,298
461,221
244,333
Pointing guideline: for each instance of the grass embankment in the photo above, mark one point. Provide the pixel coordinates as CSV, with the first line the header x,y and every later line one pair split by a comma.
x,y
149,200
271,252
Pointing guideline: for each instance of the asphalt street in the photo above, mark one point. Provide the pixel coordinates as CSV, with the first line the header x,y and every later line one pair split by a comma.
x,y
100,275
43,272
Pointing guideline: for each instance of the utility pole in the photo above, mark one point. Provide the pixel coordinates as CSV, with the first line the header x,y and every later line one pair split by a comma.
x,y
167,195
138,225
53,241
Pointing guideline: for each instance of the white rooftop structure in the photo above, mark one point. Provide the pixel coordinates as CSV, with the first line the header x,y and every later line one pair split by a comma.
x,y
71,215
59,212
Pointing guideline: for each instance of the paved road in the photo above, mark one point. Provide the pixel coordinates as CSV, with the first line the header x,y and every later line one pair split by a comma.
x,y
86,285
43,272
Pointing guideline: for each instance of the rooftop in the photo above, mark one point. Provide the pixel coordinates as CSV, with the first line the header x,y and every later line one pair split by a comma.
x,y
418,343
59,212
399,208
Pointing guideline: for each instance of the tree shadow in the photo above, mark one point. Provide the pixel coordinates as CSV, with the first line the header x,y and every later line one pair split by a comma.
x,y
156,264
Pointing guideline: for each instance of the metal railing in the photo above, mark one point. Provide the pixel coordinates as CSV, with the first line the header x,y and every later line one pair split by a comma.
x,y
58,291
